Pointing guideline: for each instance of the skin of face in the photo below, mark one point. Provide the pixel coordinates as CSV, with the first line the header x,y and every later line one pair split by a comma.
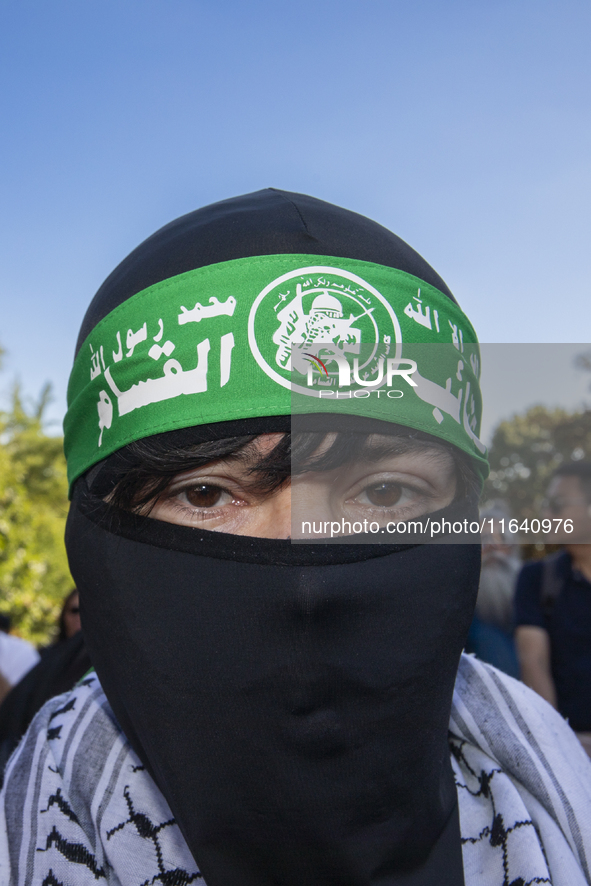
x,y
223,496
569,504
72,616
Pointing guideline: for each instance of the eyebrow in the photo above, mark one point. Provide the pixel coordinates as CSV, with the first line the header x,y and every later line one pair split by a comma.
x,y
353,448
383,447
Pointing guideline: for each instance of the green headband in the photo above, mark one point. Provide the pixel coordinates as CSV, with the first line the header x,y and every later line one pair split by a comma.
x,y
276,335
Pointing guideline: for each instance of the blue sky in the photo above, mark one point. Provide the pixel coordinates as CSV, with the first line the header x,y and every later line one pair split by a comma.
x,y
462,126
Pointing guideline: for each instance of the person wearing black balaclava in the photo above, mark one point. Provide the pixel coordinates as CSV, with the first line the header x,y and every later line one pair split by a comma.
x,y
270,709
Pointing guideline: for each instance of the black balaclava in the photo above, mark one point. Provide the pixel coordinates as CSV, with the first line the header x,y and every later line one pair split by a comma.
x,y
290,701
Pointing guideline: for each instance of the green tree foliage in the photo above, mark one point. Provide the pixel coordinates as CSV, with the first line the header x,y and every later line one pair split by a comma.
x,y
34,574
527,448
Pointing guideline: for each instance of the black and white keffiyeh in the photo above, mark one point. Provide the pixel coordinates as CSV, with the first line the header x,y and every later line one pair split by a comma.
x,y
79,808
524,784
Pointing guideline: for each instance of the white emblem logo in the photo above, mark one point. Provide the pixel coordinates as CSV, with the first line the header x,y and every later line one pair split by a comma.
x,y
309,323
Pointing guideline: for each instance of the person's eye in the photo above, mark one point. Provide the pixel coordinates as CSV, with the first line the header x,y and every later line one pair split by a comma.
x,y
209,502
389,498
201,498
205,495
386,494
383,495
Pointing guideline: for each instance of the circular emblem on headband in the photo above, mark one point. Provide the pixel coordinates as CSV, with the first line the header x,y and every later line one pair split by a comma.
x,y
304,324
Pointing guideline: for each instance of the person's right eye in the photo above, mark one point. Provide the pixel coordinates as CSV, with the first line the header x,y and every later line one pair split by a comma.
x,y
197,500
205,495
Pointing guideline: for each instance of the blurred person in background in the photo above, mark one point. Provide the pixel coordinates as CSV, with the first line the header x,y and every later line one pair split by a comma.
x,y
491,631
553,605
17,656
69,622
62,665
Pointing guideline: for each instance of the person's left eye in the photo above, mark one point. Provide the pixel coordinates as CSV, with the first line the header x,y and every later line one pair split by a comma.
x,y
383,495
390,498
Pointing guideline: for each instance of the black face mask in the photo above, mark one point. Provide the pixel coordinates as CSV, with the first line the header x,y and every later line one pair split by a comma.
x,y
291,701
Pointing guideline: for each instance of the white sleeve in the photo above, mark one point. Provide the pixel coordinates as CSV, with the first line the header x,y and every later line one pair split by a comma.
x,y
17,657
